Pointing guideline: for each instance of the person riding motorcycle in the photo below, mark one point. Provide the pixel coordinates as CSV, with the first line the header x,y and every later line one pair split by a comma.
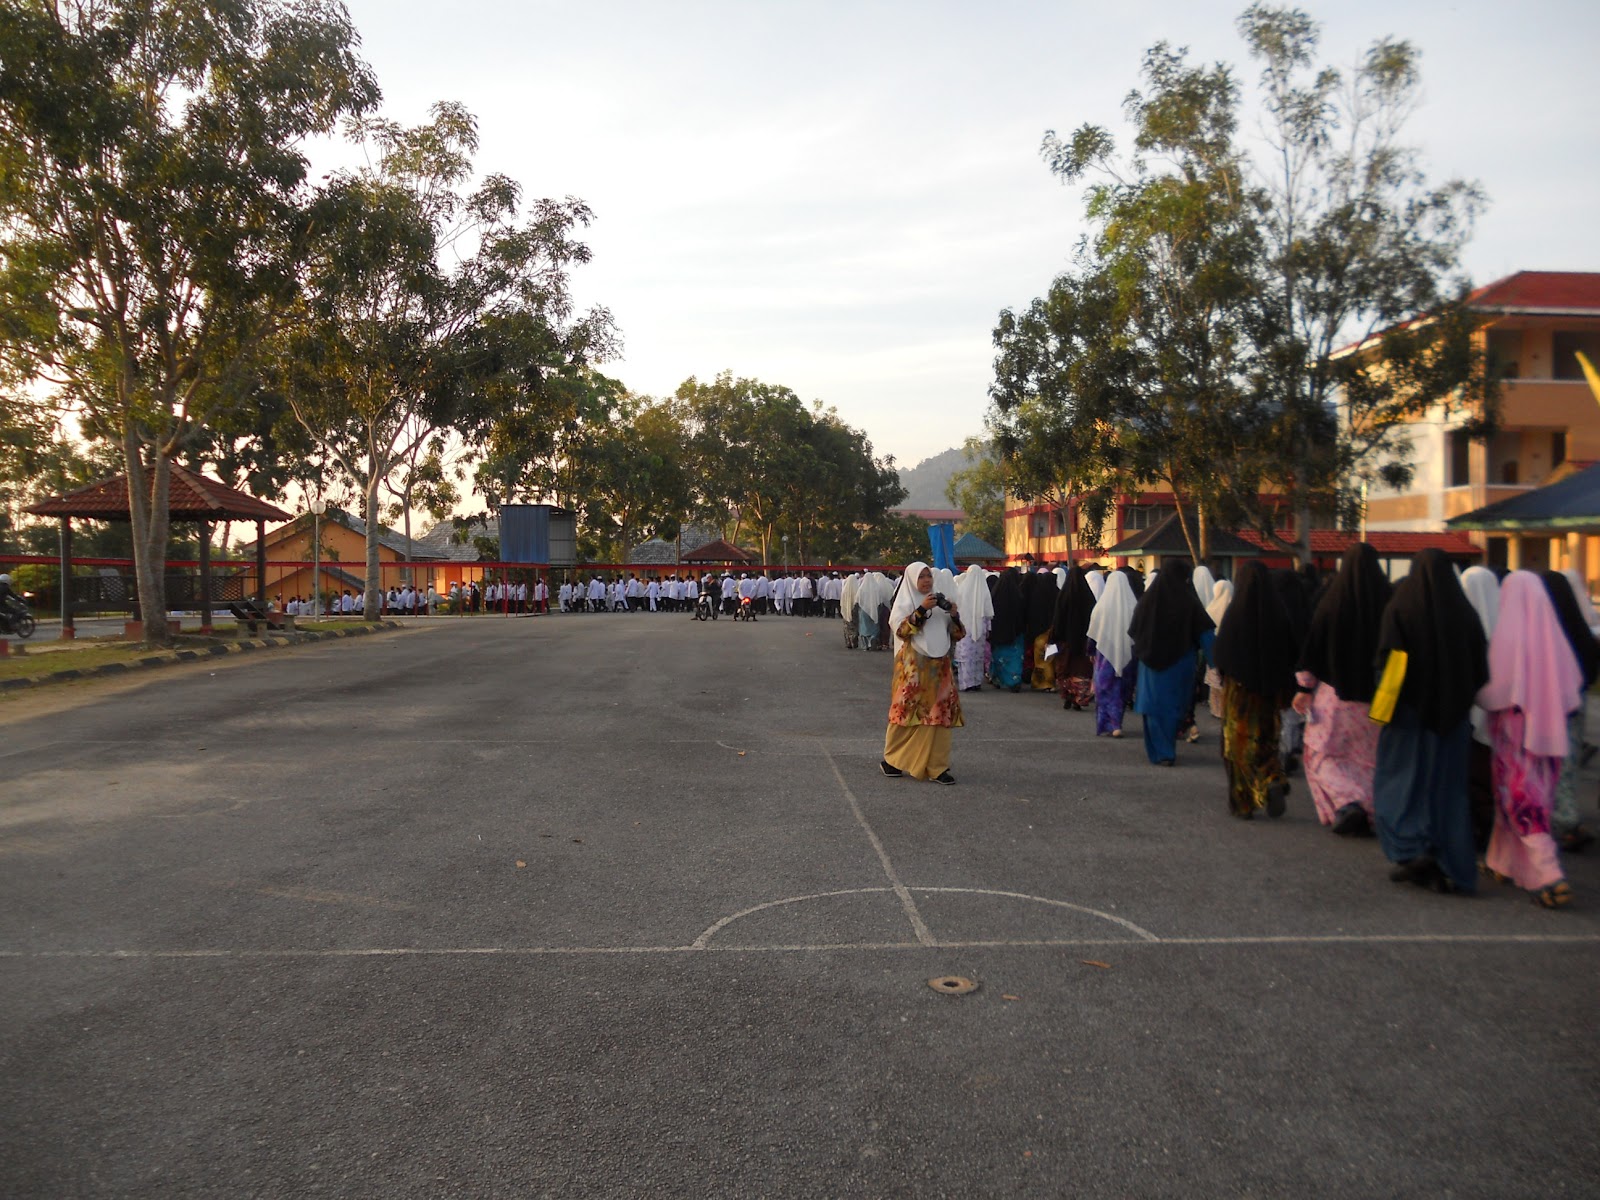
x,y
11,604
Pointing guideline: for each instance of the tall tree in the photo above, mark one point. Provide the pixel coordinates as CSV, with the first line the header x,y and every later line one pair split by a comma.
x,y
429,307
1172,263
151,176
1360,248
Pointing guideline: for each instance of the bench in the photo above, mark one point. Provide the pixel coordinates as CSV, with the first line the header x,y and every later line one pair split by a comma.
x,y
252,613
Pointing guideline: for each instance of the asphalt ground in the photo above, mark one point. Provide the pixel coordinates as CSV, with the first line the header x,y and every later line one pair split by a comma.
x,y
621,906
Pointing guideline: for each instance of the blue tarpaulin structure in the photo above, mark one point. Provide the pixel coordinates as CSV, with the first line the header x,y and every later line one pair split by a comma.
x,y
525,533
942,537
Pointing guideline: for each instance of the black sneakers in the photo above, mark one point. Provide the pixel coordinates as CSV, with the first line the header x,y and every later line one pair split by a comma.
x,y
944,777
891,772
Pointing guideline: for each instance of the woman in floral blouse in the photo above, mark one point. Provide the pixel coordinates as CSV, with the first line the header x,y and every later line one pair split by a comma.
x,y
925,704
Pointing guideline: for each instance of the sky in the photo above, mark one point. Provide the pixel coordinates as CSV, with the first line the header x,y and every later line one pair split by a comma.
x,y
842,197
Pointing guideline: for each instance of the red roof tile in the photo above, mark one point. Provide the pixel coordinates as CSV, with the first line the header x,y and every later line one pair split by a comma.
x,y
190,497
1541,290
1389,543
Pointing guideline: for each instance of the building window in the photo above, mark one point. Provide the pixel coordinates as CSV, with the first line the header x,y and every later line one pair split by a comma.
x,y
1566,343
1508,471
1146,516
1040,524
1505,352
1558,448
1460,458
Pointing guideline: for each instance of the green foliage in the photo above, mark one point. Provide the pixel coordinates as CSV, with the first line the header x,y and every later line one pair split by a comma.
x,y
151,173
1194,345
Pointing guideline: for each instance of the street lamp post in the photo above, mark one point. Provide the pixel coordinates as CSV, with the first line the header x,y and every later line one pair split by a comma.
x,y
786,554
318,507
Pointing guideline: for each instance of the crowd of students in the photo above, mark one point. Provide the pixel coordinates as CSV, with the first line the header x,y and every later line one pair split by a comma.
x,y
803,594
1443,714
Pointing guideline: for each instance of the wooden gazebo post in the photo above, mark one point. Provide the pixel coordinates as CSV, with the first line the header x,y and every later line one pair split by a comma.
x,y
69,631
205,576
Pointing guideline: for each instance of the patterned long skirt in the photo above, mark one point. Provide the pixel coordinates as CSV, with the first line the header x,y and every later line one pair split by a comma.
x,y
969,656
1005,664
1341,753
1075,680
1042,670
1112,694
1521,846
1249,747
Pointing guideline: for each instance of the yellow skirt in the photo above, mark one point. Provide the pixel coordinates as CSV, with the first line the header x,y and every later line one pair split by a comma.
x,y
921,751
1044,669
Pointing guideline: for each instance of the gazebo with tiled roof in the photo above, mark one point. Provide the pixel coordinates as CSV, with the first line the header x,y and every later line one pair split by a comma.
x,y
190,498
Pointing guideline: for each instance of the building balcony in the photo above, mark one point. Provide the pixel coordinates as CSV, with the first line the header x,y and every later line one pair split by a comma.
x,y
1558,403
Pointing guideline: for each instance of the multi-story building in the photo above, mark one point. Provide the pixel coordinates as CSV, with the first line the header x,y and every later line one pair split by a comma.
x,y
1533,325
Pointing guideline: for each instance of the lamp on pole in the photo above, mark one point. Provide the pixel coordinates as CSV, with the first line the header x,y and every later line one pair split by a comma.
x,y
786,554
318,507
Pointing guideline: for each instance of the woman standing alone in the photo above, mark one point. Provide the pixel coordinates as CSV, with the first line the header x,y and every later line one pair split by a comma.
x,y
924,705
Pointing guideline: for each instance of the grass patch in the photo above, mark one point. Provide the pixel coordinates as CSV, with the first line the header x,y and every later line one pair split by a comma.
x,y
85,656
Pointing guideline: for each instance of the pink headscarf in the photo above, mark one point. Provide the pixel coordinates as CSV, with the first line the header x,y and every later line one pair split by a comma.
x,y
1531,666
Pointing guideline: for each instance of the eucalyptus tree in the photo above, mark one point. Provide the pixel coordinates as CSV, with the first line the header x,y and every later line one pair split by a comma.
x,y
1362,249
433,305
152,177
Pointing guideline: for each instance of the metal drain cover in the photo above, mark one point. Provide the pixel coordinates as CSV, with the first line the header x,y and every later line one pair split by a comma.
x,y
953,985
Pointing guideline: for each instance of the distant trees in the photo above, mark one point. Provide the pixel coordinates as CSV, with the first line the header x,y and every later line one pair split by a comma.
x,y
431,309
1195,341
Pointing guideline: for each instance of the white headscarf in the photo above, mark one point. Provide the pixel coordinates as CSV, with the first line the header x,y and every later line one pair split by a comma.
x,y
1221,597
1204,582
1097,583
847,597
944,582
1108,624
933,639
1483,591
972,594
1061,577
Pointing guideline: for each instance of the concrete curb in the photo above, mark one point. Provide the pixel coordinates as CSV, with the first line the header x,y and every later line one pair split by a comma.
x,y
271,641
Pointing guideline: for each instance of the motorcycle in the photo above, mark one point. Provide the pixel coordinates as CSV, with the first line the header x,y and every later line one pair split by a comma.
x,y
15,618
704,610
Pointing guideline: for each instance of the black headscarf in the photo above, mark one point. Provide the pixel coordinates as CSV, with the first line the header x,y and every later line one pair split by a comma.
x,y
1169,621
1579,638
1135,580
1295,597
1256,646
1073,608
1431,619
1040,591
1006,627
1342,647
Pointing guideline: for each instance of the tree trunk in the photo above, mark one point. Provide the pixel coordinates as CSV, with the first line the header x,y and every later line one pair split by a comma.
x,y
1183,525
373,608
148,516
1302,538
1201,533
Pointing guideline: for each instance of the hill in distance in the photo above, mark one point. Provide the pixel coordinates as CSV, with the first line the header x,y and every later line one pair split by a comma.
x,y
925,482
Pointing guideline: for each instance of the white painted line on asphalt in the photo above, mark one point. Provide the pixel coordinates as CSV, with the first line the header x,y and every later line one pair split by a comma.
x,y
1139,930
1354,939
712,930
906,902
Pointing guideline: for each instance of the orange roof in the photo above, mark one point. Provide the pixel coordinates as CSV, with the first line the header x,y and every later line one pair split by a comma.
x,y
190,497
1388,543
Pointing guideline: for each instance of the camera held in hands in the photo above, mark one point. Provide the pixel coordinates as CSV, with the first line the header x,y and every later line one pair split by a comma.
x,y
938,598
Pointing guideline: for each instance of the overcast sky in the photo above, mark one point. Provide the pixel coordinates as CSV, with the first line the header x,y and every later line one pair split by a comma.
x,y
841,197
